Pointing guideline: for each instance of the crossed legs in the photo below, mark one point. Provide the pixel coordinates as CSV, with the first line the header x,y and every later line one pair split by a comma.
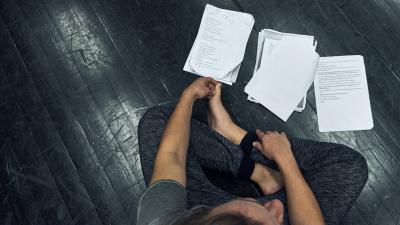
x,y
335,173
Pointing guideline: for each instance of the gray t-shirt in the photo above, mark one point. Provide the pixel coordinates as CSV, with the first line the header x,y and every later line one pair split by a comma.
x,y
162,202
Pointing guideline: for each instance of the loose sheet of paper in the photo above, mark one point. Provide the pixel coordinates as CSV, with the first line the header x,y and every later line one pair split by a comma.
x,y
341,93
220,44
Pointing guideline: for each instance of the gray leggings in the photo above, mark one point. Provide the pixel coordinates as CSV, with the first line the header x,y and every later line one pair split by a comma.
x,y
335,173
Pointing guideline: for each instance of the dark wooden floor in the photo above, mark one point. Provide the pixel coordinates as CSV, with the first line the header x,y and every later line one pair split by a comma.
x,y
76,76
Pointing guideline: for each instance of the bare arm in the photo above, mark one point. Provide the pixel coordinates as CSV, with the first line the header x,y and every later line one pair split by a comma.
x,y
302,204
170,162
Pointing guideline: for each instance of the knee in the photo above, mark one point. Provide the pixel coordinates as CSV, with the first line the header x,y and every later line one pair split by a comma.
x,y
357,164
362,166
155,113
154,116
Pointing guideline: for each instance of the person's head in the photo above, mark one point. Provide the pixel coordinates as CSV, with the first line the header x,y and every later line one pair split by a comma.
x,y
243,211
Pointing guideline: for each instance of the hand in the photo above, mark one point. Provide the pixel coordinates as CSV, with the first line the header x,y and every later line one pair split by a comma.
x,y
202,87
273,145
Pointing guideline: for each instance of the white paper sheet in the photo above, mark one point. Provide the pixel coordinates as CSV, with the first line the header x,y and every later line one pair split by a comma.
x,y
341,93
286,72
220,44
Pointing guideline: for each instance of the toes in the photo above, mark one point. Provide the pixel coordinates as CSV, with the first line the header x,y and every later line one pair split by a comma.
x,y
218,89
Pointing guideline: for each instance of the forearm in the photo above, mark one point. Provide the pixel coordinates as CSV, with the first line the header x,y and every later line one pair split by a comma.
x,y
175,138
170,162
302,204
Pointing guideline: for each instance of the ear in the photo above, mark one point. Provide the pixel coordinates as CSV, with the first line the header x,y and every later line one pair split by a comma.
x,y
276,209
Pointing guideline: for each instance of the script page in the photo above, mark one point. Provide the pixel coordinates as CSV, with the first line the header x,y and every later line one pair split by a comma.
x,y
220,43
341,93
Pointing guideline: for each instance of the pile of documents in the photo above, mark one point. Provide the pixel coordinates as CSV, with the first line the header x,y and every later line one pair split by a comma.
x,y
220,44
286,67
284,71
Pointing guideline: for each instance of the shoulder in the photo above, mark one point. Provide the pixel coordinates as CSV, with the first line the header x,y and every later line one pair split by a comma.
x,y
162,202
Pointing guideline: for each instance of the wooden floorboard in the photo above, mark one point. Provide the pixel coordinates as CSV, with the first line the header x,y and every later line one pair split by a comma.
x,y
104,157
32,177
76,76
42,128
112,133
378,22
18,206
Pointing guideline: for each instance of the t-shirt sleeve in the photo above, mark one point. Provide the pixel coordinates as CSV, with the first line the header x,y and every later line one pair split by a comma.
x,y
162,202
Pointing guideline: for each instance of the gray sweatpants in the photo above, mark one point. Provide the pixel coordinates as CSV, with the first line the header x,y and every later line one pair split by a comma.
x,y
335,173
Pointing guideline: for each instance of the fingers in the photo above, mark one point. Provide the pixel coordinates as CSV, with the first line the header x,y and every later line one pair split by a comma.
x,y
211,89
216,89
202,87
218,86
257,145
211,80
211,83
259,134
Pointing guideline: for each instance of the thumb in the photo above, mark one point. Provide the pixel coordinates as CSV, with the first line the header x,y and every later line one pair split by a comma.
x,y
259,134
258,145
211,80
218,89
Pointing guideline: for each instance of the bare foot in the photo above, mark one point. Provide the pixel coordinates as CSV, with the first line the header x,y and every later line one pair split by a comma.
x,y
220,121
269,180
218,118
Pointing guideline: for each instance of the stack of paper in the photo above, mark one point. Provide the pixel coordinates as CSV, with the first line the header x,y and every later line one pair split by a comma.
x,y
286,67
284,71
220,44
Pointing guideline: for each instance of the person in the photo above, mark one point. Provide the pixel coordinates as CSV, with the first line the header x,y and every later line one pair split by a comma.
x,y
303,181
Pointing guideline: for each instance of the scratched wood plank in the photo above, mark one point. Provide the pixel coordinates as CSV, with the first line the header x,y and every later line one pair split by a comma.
x,y
119,163
104,158
128,186
28,173
51,147
378,21
30,92
18,204
124,23
147,47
